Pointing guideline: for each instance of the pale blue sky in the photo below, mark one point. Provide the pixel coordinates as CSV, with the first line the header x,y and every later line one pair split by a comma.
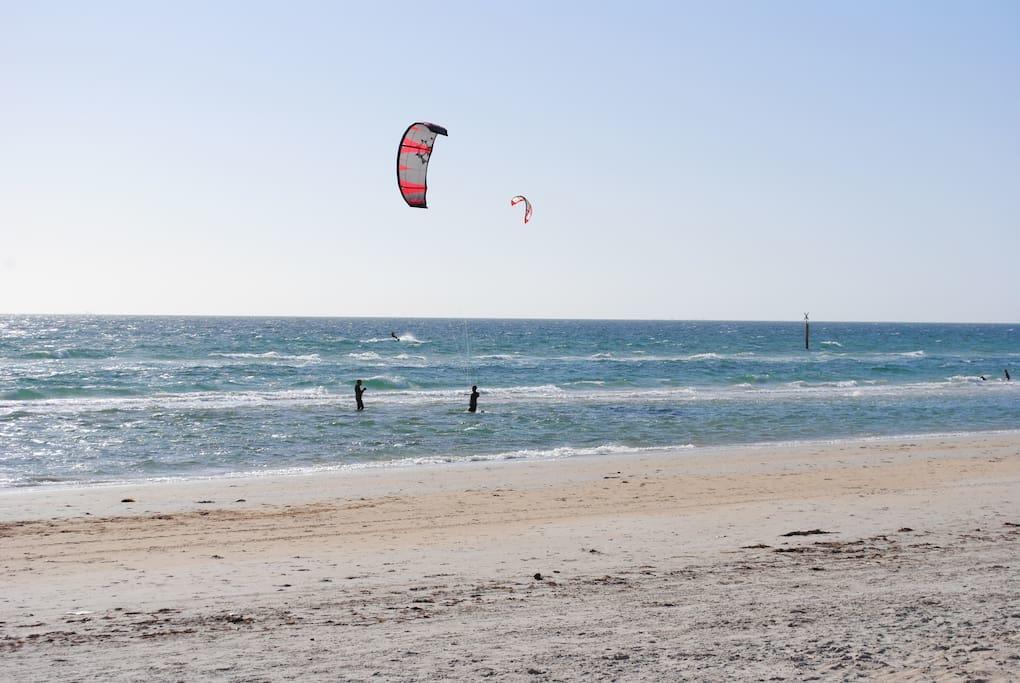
x,y
722,160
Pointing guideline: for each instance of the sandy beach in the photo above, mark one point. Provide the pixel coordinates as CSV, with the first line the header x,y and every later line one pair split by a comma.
x,y
658,566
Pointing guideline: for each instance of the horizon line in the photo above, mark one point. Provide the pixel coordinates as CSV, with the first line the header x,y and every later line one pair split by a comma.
x,y
521,318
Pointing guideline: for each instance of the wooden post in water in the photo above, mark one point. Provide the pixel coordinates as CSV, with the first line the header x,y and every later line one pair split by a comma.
x,y
807,333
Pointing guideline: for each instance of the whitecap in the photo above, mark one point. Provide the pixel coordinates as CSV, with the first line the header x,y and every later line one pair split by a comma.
x,y
270,356
406,337
394,380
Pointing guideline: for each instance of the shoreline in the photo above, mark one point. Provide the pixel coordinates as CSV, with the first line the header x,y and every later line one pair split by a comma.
x,y
509,458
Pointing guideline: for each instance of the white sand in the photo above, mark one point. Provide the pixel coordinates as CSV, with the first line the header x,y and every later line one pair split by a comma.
x,y
426,573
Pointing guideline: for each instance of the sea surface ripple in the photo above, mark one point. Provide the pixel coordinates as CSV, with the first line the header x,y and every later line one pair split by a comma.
x,y
86,399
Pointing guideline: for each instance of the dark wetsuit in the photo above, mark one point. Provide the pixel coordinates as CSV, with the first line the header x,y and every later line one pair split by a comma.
x,y
1007,375
473,405
358,391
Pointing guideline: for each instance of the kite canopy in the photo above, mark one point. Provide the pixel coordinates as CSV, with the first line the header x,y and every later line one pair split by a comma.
x,y
514,201
413,161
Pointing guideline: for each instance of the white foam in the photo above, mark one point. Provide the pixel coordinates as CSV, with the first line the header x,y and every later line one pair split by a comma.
x,y
269,355
406,337
546,393
558,453
389,379
528,391
841,384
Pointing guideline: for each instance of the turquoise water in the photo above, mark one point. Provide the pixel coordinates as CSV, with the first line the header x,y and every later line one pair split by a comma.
x,y
90,399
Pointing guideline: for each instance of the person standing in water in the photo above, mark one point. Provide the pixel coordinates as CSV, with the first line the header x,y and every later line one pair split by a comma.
x,y
1006,373
358,391
473,402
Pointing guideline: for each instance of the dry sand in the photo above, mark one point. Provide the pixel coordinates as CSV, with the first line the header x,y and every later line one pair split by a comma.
x,y
667,566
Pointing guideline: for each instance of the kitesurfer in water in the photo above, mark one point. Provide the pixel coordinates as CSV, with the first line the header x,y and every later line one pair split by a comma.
x,y
358,391
473,403
394,335
1006,373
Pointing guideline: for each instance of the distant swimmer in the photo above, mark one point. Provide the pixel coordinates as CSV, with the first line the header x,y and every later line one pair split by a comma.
x,y
358,391
983,378
1006,373
473,403
394,335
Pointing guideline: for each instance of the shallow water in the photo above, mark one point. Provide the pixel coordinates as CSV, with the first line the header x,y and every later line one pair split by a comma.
x,y
88,399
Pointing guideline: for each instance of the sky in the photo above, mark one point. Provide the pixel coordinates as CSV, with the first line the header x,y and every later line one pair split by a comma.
x,y
712,160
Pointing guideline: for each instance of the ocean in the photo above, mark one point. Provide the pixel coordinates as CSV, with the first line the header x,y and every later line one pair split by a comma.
x,y
89,399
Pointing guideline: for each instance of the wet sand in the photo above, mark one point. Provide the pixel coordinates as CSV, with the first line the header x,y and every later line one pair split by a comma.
x,y
662,566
